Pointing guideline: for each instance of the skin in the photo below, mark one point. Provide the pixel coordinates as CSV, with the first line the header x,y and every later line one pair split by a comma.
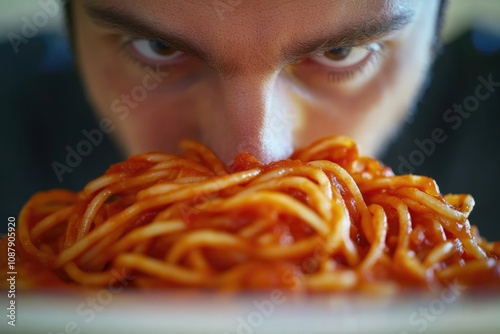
x,y
256,75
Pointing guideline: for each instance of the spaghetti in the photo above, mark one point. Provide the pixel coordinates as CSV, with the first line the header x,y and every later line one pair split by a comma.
x,y
326,219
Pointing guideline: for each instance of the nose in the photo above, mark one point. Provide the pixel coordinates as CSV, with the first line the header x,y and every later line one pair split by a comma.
x,y
249,114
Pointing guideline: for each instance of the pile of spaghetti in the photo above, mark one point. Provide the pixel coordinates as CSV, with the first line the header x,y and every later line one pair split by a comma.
x,y
326,219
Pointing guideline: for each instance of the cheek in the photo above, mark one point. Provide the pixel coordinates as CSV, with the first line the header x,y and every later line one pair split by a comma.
x,y
343,111
99,66
100,69
146,114
158,124
146,119
371,114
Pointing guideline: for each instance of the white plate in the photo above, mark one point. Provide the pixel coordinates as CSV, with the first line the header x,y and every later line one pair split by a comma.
x,y
102,311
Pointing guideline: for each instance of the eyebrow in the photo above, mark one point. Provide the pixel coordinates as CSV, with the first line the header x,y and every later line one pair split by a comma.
x,y
356,35
119,20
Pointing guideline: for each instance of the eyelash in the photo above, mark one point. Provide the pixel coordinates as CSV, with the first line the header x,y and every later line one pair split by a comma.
x,y
344,75
336,76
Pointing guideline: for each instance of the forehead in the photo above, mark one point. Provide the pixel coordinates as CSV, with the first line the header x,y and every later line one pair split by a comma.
x,y
260,11
259,31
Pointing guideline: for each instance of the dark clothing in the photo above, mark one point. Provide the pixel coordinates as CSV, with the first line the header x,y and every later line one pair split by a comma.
x,y
45,111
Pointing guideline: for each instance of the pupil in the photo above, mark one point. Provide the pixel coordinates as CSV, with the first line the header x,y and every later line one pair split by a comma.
x,y
339,53
160,48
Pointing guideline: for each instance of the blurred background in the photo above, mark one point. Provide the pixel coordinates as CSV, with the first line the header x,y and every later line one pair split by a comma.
x,y
468,162
13,10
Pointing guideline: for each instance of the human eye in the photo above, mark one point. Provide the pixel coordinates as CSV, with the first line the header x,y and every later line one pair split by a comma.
x,y
344,62
345,56
151,52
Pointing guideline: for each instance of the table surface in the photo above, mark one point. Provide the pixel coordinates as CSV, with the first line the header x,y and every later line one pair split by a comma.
x,y
105,311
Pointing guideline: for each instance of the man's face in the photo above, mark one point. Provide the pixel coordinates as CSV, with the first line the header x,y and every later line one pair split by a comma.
x,y
263,76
